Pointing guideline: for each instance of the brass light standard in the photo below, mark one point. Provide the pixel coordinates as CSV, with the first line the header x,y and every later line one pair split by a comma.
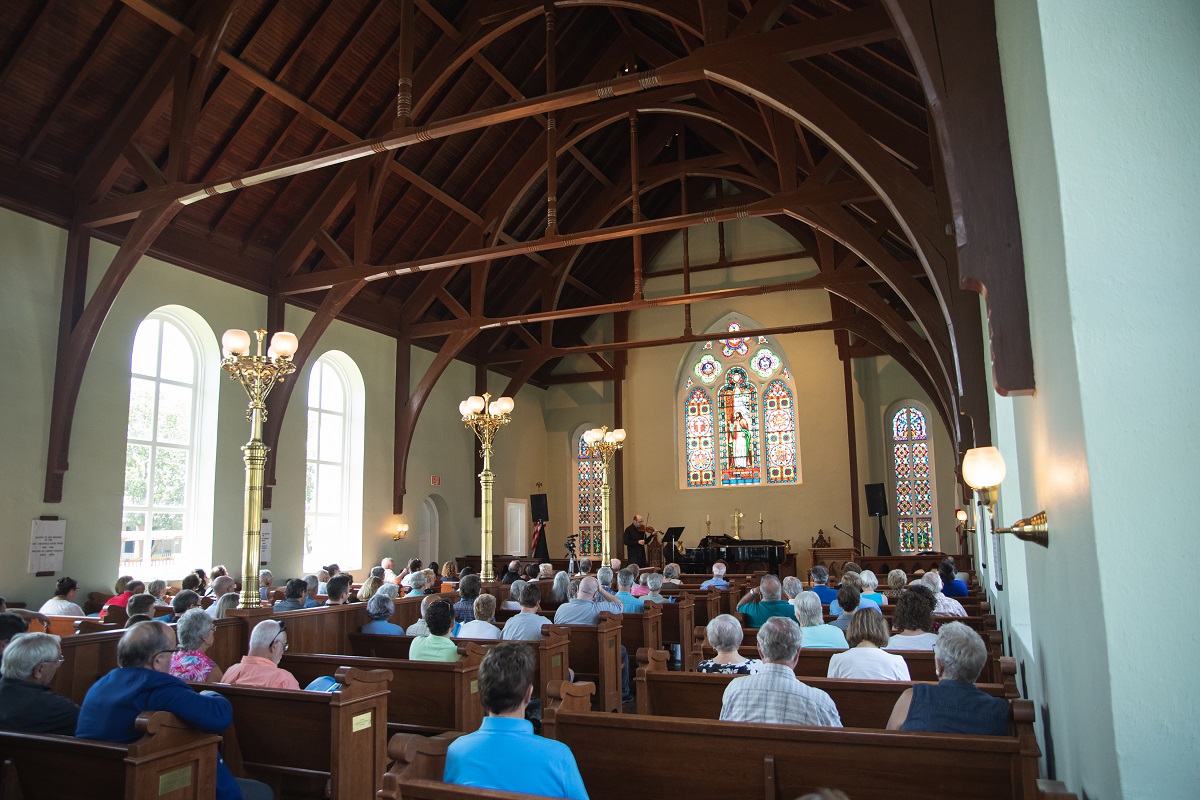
x,y
485,416
603,443
257,374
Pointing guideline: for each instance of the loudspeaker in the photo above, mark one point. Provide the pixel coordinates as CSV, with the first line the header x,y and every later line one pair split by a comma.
x,y
876,500
538,507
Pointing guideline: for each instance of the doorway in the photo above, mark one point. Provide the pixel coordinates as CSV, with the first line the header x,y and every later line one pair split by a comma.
x,y
516,526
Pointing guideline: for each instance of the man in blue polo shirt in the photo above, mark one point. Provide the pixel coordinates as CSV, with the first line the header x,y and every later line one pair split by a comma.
x,y
760,604
717,581
531,764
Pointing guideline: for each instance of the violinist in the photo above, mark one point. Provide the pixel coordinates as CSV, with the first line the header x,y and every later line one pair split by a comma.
x,y
635,541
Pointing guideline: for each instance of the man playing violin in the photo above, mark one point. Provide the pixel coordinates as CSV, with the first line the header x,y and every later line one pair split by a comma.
x,y
635,541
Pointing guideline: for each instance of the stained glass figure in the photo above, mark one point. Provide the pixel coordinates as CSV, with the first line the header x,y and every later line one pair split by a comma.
x,y
913,468
699,444
707,368
764,363
738,404
779,421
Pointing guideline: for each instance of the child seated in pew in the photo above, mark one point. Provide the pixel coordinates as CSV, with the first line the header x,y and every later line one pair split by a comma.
x,y
379,610
481,627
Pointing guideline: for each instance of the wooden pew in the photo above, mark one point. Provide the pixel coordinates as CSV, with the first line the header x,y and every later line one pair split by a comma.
x,y
707,603
552,651
780,762
678,619
172,761
424,696
60,625
642,629
300,740
860,703
596,656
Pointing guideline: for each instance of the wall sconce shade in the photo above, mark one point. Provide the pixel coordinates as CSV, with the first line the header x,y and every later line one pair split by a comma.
x,y
983,468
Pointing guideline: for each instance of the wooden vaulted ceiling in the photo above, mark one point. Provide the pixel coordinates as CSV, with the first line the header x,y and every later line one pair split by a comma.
x,y
192,129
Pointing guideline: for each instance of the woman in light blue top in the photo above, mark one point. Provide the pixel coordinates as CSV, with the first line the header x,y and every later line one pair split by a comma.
x,y
870,589
812,623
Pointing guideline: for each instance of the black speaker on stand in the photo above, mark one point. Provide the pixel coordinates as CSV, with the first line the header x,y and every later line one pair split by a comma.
x,y
877,507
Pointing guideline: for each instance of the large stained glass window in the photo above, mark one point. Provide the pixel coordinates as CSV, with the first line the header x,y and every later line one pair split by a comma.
x,y
738,403
913,473
699,444
779,422
589,518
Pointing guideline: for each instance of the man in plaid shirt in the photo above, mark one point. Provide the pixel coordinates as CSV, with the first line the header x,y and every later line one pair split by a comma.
x,y
775,694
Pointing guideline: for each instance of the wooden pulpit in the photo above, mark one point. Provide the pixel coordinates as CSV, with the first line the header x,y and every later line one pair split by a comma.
x,y
832,558
654,551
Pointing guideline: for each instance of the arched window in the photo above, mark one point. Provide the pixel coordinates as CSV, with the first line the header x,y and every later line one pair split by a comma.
x,y
170,441
333,476
912,470
589,516
737,400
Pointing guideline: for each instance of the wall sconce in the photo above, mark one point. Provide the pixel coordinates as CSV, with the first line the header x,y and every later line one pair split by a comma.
x,y
983,469
401,532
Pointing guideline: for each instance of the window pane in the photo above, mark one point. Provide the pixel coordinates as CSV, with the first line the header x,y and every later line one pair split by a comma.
x,y
314,427
165,549
177,358
331,438
174,414
170,476
329,488
332,391
134,522
145,348
314,385
137,467
167,522
310,487
141,408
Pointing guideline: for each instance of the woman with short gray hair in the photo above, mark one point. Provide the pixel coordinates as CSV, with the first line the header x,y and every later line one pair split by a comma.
x,y
870,590
955,704
224,604
416,583
379,610
811,617
671,574
897,580
196,633
389,590
724,633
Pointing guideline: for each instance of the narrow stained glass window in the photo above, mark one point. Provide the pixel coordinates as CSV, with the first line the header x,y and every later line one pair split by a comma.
x,y
913,470
590,515
779,421
699,449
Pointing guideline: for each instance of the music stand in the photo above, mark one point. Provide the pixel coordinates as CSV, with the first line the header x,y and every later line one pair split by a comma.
x,y
671,538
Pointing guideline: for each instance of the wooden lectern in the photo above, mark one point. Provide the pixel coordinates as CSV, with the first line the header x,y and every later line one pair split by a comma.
x,y
832,558
654,551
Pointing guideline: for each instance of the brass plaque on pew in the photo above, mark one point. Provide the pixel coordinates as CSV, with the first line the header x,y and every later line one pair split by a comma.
x,y
555,660
475,687
360,722
174,780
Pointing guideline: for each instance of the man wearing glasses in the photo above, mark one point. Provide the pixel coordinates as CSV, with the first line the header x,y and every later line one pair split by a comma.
x,y
26,702
260,667
143,682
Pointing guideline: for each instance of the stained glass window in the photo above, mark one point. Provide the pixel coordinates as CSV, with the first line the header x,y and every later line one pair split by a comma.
x,y
913,472
699,448
779,422
765,363
734,346
590,512
707,368
738,404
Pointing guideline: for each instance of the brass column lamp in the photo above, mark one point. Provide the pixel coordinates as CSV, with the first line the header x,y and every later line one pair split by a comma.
x,y
485,416
983,469
257,374
603,443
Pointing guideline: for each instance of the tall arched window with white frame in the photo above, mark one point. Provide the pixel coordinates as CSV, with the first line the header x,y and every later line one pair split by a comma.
x,y
166,513
333,481
911,445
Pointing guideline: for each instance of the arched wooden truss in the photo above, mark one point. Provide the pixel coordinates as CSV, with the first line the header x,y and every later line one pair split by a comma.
x,y
534,157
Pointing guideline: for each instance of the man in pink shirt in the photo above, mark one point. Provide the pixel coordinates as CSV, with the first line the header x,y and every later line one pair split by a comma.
x,y
268,643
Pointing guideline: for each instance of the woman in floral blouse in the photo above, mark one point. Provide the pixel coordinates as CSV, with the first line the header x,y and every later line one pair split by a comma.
x,y
195,632
725,635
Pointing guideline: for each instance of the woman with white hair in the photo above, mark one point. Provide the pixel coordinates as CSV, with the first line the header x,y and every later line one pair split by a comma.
x,y
955,704
817,633
870,590
26,702
225,603
389,590
379,611
562,584
724,633
513,603
196,634
417,582
943,606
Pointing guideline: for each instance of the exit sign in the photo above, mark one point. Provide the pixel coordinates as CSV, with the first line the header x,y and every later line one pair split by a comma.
x,y
435,480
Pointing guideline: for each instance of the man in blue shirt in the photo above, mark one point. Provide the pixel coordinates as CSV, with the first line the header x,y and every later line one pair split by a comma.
x,y
530,763
717,581
765,602
820,584
143,682
625,580
951,585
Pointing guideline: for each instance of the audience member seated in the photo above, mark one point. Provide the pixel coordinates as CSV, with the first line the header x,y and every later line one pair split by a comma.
x,y
585,567
531,572
820,584
266,582
468,590
481,627
202,588
605,575
942,606
416,584
774,695
865,660
717,581
640,589
725,634
951,585
615,565
955,704
913,621
191,582
142,682
654,582
122,598
817,633
559,591
27,704
437,645
260,666
220,587
379,611
388,590
849,567
190,662
182,603
854,579
545,572
528,624
222,607
513,603
322,582
369,587
585,608
896,582
388,564
338,590
450,571
671,574
135,619
11,624
848,597
433,583
511,574
314,583
765,602
870,588
63,602
216,572
504,754
140,604
295,592
625,581
158,588
405,576
792,587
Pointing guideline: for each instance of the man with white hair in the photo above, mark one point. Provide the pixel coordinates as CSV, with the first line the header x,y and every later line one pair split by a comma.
x,y
943,606
955,704
221,586
605,576
26,702
774,695
717,581
389,569
266,582
260,666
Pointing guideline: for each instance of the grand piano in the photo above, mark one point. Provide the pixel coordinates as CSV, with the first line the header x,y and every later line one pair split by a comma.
x,y
741,555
